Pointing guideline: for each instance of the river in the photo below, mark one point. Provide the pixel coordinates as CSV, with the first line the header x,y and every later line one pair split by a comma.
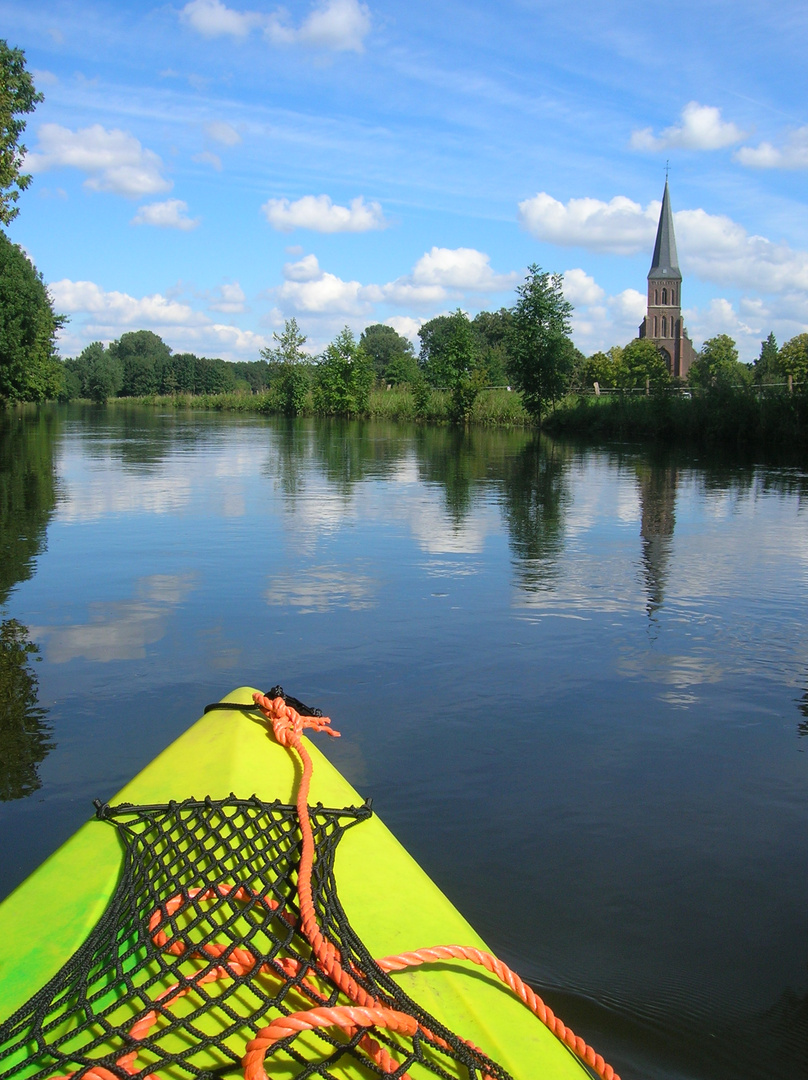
x,y
573,680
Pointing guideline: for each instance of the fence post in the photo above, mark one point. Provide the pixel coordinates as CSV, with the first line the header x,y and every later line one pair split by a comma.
x,y
647,385
790,384
597,388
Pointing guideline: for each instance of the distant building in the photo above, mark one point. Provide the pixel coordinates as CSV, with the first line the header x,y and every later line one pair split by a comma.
x,y
663,321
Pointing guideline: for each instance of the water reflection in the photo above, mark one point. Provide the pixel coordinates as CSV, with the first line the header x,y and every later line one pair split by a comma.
x,y
28,490
657,486
536,501
24,732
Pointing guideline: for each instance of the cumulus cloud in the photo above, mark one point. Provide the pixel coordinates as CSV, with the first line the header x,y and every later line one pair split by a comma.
x,y
406,325
620,226
336,25
228,298
309,289
581,288
114,160
792,155
440,275
701,128
171,214
118,307
459,268
712,246
320,214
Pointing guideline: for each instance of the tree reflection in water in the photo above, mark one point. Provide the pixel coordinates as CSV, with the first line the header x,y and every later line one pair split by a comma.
x,y
24,732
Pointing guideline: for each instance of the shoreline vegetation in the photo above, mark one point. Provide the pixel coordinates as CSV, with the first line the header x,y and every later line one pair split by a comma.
x,y
769,419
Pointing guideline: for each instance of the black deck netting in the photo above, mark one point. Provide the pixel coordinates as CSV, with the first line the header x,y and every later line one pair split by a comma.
x,y
199,949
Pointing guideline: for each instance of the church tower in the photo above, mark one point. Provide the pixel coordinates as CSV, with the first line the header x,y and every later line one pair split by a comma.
x,y
663,322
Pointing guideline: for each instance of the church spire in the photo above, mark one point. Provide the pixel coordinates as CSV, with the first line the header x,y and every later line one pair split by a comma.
x,y
665,263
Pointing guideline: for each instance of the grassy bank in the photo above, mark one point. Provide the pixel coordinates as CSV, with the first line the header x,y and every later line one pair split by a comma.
x,y
495,407
727,418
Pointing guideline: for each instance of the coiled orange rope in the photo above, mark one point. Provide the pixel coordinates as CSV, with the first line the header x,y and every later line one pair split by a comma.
x,y
366,1012
287,726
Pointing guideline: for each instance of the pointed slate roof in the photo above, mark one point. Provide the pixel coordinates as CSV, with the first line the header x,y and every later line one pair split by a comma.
x,y
665,263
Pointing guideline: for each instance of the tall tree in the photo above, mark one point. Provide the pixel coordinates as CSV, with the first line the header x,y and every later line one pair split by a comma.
x,y
389,351
767,364
642,364
29,367
490,332
717,364
344,377
540,352
18,96
288,347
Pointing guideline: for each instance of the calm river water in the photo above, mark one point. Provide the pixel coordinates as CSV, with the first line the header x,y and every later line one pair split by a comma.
x,y
574,682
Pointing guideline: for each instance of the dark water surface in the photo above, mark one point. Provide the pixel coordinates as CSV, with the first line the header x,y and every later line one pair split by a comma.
x,y
573,681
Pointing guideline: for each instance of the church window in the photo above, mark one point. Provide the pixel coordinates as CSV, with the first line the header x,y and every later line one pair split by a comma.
x,y
656,296
656,326
673,296
664,296
664,322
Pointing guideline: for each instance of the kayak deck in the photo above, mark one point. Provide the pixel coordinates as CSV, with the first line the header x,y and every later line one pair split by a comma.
x,y
390,903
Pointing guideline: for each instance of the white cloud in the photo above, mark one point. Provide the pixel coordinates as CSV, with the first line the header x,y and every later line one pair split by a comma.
x,y
211,18
339,25
620,226
119,308
406,326
320,214
228,298
459,268
336,25
222,132
793,155
441,274
701,128
581,288
171,214
717,249
114,160
711,246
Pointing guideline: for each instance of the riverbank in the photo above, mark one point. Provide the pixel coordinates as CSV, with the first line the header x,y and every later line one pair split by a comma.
x,y
732,419
742,419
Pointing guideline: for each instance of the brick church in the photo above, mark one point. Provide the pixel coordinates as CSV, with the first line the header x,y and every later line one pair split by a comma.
x,y
663,321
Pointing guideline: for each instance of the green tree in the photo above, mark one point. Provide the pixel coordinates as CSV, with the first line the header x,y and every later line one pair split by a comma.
x,y
491,332
288,367
18,96
642,364
344,377
540,352
288,347
143,356
29,367
602,368
463,378
717,364
434,336
767,366
100,374
389,350
793,358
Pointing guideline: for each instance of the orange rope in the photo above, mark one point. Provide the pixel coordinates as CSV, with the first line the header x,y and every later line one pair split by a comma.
x,y
287,726
366,1012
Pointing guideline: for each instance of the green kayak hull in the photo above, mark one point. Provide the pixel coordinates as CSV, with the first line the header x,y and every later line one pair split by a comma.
x,y
390,901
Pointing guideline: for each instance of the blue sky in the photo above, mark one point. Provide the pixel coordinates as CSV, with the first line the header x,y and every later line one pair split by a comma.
x,y
209,169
